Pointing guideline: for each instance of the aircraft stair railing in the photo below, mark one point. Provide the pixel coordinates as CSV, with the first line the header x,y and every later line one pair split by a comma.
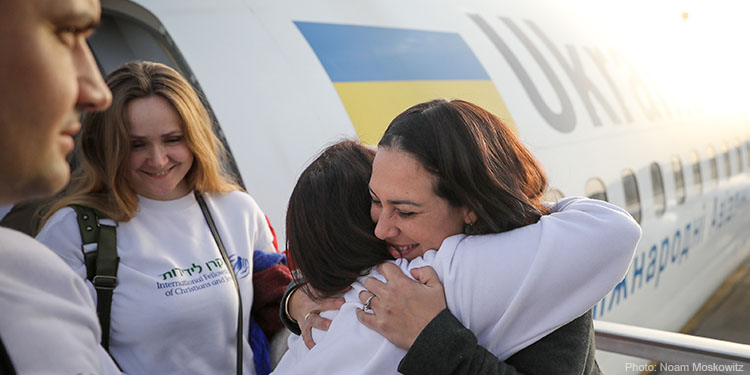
x,y
669,347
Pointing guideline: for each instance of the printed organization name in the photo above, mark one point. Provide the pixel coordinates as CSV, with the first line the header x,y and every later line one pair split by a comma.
x,y
183,283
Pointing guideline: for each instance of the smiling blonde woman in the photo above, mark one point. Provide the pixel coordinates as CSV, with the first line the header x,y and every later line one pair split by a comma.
x,y
147,162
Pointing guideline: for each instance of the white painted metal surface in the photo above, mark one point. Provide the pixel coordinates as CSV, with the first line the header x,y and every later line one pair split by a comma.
x,y
278,107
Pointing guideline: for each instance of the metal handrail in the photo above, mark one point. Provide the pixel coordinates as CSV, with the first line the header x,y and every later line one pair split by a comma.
x,y
668,347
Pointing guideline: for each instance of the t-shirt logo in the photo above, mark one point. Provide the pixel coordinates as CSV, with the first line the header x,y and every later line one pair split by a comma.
x,y
240,265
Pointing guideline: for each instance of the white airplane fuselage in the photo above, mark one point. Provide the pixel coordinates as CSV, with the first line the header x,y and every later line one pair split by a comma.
x,y
285,78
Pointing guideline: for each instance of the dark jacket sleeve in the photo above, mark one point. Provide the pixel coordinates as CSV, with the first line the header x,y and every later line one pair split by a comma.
x,y
445,346
287,320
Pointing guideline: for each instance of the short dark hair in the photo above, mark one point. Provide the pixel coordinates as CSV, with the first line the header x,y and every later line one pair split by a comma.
x,y
478,161
330,233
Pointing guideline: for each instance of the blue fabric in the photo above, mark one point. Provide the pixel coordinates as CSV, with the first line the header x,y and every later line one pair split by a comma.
x,y
264,259
261,349
258,341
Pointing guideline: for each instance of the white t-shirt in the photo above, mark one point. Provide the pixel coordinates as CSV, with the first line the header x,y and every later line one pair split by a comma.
x,y
174,310
510,289
48,321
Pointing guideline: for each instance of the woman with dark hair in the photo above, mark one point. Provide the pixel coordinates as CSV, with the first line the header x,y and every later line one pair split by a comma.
x,y
476,163
510,288
330,209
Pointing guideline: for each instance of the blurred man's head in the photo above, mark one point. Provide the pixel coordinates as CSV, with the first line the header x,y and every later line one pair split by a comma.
x,y
48,76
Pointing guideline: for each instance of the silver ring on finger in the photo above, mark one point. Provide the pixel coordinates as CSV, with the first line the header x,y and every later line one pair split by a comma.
x,y
366,306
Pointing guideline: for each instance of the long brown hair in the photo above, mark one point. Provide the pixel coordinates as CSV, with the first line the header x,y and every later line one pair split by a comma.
x,y
329,230
478,161
103,145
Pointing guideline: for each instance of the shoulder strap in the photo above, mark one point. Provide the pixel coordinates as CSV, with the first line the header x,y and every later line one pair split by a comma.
x,y
101,263
230,268
89,229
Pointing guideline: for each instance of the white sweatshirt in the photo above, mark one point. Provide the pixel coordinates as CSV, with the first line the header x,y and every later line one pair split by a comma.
x,y
510,289
48,321
174,310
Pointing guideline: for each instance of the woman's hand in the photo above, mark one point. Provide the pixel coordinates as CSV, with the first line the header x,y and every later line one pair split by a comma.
x,y
306,312
402,307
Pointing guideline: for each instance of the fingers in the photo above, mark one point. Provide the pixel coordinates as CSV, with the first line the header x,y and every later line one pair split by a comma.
x,y
395,280
392,272
426,275
368,320
312,320
364,295
374,285
368,300
318,322
307,336
306,329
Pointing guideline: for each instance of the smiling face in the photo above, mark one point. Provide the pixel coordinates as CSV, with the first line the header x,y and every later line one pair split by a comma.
x,y
410,217
47,77
159,156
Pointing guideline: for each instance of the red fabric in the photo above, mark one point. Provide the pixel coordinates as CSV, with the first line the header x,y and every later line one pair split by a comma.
x,y
273,232
290,260
269,286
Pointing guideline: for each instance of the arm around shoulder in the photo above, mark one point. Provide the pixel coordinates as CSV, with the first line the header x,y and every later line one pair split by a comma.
x,y
596,236
557,269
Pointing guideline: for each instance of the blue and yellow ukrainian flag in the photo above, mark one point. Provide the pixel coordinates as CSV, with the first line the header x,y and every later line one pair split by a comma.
x,y
378,72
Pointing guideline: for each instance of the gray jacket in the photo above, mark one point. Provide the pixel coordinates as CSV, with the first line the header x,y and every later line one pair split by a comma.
x,y
445,346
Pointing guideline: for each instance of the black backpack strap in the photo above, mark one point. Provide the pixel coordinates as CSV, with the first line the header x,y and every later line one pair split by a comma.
x,y
89,229
6,365
102,263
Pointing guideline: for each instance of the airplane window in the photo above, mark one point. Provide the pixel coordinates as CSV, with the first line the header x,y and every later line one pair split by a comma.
x,y
553,195
713,165
595,189
657,185
697,179
727,162
679,180
632,198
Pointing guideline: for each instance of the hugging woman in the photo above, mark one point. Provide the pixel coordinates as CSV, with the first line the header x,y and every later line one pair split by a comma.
x,y
450,187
